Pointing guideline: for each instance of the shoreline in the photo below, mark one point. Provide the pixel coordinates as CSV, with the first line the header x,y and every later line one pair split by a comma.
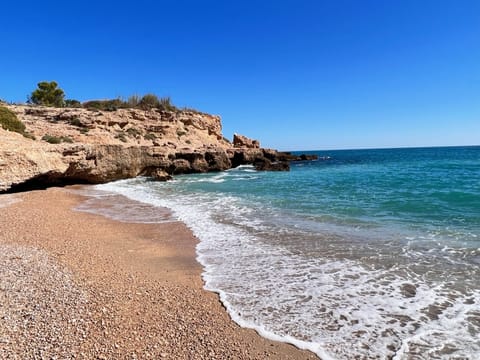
x,y
142,283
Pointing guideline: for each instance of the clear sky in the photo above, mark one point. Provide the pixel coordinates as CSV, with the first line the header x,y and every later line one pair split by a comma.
x,y
297,75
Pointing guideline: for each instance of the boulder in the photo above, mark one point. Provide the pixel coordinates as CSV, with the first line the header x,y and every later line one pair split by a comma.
x,y
196,160
305,157
287,156
268,165
217,160
245,156
240,141
161,175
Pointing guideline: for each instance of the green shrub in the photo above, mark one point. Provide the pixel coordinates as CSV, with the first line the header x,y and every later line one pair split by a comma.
x,y
47,94
93,104
121,136
150,136
105,105
73,103
9,121
56,139
166,104
149,101
29,136
75,122
133,101
146,102
134,132
51,139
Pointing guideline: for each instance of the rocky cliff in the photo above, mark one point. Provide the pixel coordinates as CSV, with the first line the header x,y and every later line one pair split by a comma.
x,y
74,145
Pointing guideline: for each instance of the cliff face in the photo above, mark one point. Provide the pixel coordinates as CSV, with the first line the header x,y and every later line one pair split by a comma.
x,y
98,146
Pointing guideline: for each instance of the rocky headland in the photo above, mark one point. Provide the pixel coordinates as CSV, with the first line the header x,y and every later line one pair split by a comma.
x,y
78,145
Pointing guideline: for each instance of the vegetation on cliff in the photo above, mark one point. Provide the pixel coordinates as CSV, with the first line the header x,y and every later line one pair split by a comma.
x,y
99,146
56,139
49,94
10,122
146,102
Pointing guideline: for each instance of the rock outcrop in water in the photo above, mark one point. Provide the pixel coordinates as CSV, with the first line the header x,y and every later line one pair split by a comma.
x,y
241,141
76,145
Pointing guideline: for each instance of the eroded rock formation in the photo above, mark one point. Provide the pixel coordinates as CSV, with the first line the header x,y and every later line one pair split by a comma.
x,y
240,141
91,146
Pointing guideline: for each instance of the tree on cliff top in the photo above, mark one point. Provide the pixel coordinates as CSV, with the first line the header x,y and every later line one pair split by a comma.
x,y
47,94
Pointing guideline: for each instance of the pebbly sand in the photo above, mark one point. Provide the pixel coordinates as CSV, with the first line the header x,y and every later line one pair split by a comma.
x,y
79,285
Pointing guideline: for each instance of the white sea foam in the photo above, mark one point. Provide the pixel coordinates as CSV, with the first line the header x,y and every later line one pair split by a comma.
x,y
242,168
8,199
219,178
117,207
240,173
336,307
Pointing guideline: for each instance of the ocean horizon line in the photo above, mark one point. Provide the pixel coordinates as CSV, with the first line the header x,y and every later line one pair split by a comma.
x,y
384,148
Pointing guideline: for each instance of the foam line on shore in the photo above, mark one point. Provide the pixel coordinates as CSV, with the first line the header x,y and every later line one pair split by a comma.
x,y
304,345
121,208
179,212
9,199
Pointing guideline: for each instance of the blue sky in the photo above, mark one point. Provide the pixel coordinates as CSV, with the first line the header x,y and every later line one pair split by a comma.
x,y
297,75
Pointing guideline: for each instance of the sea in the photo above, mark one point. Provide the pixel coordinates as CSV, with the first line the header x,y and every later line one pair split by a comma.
x,y
361,254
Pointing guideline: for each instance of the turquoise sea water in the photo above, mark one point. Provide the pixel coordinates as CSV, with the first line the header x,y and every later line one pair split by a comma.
x,y
362,254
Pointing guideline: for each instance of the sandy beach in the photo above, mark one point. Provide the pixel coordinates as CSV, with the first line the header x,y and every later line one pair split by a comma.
x,y
80,285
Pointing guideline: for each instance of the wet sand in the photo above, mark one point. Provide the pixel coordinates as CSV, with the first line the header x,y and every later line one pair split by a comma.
x,y
80,285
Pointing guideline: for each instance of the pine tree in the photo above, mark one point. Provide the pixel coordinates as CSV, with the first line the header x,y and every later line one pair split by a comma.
x,y
47,94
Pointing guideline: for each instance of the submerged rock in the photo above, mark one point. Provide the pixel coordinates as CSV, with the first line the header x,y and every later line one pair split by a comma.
x,y
267,165
408,290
